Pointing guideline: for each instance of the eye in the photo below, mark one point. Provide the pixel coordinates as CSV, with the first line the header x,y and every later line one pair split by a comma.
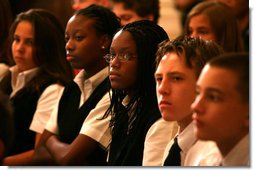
x,y
79,37
16,39
67,38
158,79
126,56
29,42
213,97
176,78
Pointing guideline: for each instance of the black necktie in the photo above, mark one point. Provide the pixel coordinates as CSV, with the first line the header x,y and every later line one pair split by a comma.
x,y
173,158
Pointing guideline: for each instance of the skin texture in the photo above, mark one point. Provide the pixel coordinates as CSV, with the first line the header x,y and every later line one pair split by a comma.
x,y
22,49
123,73
219,111
127,15
78,4
175,85
84,47
22,46
199,26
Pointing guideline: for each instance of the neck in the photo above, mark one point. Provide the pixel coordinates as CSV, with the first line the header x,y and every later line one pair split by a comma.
x,y
94,69
184,122
226,145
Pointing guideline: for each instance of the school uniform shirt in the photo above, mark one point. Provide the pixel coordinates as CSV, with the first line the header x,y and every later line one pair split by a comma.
x,y
239,155
157,138
45,102
186,139
3,70
203,153
26,103
93,126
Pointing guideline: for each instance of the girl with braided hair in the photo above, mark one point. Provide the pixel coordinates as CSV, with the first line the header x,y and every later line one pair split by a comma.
x,y
75,134
133,109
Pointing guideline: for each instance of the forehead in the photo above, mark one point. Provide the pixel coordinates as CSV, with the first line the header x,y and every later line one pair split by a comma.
x,y
25,27
119,9
199,19
79,22
123,40
218,77
172,62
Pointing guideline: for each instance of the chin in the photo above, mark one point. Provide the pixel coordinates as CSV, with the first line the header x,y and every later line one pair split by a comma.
x,y
166,116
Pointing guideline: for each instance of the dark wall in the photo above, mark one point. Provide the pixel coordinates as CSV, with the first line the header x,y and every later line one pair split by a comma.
x,y
60,8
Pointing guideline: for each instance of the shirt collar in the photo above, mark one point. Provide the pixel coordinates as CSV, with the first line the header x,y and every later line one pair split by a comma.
x,y
95,79
239,155
186,138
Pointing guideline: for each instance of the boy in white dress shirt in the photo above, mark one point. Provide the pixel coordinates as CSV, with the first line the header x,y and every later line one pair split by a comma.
x,y
221,108
179,64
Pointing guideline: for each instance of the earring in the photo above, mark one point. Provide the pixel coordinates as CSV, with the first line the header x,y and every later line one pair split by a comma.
x,y
103,47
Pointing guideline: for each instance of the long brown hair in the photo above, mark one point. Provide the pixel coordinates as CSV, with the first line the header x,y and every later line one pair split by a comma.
x,y
223,23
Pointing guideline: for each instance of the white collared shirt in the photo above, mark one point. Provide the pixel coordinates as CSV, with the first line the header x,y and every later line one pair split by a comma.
x,y
3,70
203,153
240,154
185,140
46,101
157,138
93,126
20,79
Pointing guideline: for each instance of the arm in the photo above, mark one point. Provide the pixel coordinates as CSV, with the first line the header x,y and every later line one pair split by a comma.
x,y
157,138
21,158
41,156
94,131
75,153
44,108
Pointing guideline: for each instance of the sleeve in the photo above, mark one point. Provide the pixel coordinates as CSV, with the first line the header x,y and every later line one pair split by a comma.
x,y
46,104
157,138
96,127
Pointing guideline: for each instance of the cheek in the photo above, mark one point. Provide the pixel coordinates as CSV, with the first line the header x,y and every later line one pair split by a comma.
x,y
130,77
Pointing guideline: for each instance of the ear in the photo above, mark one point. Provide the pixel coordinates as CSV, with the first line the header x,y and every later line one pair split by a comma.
x,y
105,42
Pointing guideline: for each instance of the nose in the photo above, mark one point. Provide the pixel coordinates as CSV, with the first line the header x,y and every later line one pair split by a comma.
x,y
69,45
164,87
20,47
198,105
194,34
115,63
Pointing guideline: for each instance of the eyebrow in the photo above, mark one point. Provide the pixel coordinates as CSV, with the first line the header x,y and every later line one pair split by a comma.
x,y
216,90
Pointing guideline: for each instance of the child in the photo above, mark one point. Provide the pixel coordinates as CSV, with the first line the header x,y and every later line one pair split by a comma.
x,y
35,81
221,108
76,134
179,63
133,108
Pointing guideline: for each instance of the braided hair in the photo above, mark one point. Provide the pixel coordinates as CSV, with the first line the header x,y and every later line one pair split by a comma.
x,y
147,35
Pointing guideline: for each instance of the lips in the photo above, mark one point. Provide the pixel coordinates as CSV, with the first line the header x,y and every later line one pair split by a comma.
x,y
114,75
70,57
196,121
164,103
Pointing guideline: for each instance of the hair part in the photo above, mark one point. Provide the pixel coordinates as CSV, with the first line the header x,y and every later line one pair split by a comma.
x,y
105,21
223,23
48,46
